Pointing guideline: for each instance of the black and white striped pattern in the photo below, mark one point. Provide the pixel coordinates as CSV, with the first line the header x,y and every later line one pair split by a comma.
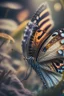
x,y
42,18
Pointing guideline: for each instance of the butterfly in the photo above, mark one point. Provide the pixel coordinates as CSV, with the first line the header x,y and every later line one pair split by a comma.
x,y
42,48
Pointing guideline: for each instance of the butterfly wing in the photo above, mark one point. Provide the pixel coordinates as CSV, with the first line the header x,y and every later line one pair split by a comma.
x,y
52,51
36,34
48,76
36,31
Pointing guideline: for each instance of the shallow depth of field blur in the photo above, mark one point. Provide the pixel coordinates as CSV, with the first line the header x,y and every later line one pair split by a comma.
x,y
14,15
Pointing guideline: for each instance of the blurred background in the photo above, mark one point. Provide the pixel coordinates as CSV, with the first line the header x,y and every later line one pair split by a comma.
x,y
14,16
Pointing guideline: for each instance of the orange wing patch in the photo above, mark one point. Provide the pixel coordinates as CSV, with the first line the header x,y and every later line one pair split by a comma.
x,y
40,37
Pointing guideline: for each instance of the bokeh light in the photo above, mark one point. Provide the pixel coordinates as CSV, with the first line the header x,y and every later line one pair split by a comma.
x,y
23,15
57,6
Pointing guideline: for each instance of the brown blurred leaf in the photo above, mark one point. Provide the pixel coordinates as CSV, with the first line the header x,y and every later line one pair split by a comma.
x,y
6,36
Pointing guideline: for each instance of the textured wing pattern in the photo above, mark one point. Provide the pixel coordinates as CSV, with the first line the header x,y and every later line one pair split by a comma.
x,y
37,31
46,49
